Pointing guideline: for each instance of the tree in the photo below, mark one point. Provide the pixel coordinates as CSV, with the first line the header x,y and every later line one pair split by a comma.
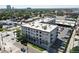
x,y
75,16
18,32
26,16
21,37
75,49
1,29
1,25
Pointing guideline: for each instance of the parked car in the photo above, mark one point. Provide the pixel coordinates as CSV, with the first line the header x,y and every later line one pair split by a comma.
x,y
7,35
23,50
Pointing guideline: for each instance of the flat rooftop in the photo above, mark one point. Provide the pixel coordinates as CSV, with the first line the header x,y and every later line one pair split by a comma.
x,y
40,26
45,19
31,19
65,22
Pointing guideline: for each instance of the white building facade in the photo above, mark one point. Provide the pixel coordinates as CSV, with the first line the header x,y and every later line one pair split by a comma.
x,y
43,35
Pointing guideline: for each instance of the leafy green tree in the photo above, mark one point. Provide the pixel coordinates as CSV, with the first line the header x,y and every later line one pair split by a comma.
x,y
26,16
1,29
18,32
21,37
1,25
75,49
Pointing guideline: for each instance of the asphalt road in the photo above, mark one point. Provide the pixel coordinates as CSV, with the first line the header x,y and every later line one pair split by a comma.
x,y
13,45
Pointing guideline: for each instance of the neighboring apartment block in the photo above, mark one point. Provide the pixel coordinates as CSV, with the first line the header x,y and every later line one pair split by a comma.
x,y
41,34
48,20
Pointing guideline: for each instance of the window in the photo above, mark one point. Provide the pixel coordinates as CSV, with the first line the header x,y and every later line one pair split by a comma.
x,y
40,32
36,37
51,38
51,34
36,34
40,35
34,40
40,39
37,31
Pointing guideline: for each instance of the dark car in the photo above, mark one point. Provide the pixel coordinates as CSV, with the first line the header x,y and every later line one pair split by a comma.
x,y
23,50
7,35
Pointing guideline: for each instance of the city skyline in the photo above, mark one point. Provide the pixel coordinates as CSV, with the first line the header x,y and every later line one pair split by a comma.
x,y
40,6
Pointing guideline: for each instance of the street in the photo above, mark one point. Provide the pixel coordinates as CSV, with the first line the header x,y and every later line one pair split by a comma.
x,y
71,43
9,44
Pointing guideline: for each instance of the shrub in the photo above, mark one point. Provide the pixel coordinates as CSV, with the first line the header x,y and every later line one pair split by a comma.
x,y
75,49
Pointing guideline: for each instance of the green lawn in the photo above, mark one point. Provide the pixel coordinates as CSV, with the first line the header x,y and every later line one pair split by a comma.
x,y
1,29
75,50
37,47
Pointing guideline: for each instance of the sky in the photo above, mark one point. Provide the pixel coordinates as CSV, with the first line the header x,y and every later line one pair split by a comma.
x,y
40,3
41,6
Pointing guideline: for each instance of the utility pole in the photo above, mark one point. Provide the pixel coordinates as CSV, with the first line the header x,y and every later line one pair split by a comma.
x,y
27,48
1,41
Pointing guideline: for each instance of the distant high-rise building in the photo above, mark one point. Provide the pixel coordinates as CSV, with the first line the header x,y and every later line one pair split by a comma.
x,y
28,8
8,7
13,8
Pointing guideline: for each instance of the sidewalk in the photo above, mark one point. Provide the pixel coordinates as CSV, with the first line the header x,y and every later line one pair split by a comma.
x,y
70,45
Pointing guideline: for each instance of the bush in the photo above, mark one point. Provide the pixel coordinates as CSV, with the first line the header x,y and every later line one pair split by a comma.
x,y
1,29
37,47
1,25
18,32
75,49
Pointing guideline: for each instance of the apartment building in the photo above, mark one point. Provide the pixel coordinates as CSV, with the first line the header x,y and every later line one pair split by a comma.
x,y
41,34
48,20
66,23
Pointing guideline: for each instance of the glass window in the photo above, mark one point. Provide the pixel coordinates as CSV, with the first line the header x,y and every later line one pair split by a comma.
x,y
37,31
40,35
51,38
40,32
36,34
51,34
